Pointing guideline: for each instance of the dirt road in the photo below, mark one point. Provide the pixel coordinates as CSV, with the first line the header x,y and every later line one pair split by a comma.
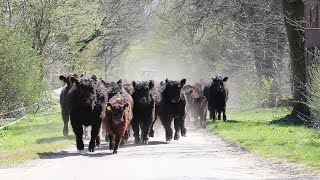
x,y
201,155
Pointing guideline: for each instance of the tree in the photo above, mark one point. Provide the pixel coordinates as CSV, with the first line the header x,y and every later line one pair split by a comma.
x,y
294,16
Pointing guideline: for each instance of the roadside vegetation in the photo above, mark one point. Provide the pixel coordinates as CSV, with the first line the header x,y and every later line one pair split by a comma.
x,y
252,130
33,135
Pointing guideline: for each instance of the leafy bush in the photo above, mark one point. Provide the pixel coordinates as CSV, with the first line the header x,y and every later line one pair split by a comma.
x,y
20,70
314,95
253,95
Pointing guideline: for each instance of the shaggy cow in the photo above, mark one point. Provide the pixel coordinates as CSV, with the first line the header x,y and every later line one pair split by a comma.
x,y
129,88
117,119
143,111
216,93
172,106
87,101
64,102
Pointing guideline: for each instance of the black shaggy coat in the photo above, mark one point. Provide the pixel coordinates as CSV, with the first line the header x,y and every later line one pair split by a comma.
x,y
216,92
65,112
172,107
143,111
87,101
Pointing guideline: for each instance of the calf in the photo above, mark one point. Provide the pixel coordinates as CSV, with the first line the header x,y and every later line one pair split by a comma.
x,y
87,101
117,119
143,111
216,93
114,88
172,106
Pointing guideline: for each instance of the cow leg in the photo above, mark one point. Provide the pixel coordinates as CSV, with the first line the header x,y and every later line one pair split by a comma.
x,y
78,131
213,111
145,130
112,141
94,134
177,128
65,117
166,122
224,114
183,127
204,119
117,143
151,131
136,129
219,113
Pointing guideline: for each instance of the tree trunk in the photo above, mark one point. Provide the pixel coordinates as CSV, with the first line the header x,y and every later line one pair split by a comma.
x,y
294,10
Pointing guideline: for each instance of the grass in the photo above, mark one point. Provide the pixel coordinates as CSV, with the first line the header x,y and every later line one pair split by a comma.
x,y
35,134
249,129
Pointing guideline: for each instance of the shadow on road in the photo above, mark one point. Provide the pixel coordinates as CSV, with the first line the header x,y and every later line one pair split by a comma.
x,y
101,151
53,139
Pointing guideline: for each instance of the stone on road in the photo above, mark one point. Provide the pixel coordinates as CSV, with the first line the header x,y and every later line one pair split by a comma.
x,y
201,155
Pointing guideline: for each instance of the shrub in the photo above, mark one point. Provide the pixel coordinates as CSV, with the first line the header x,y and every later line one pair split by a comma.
x,y
20,70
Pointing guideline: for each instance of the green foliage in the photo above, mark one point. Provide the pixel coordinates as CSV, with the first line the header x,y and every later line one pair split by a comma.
x,y
31,137
253,95
20,70
249,129
314,95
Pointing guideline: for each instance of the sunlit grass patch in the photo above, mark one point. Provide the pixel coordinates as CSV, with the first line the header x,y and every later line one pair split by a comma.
x,y
35,134
249,129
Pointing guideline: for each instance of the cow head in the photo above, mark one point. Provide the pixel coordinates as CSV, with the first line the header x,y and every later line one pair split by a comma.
x,y
142,91
188,95
118,111
173,90
86,88
217,84
113,88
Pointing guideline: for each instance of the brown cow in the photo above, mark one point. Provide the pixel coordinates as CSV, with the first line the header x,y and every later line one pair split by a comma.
x,y
117,119
198,108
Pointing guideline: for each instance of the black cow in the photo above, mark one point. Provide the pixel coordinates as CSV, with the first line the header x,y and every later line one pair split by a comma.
x,y
87,101
64,102
143,111
216,93
172,106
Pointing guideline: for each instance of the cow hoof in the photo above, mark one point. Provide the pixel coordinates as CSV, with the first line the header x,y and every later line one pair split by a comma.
x,y
176,137
115,152
137,140
151,135
80,147
65,131
145,142
168,139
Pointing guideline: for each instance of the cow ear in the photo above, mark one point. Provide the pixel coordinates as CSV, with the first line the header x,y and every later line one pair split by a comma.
x,y
134,84
183,82
225,79
103,82
63,78
120,81
161,83
74,80
126,107
94,77
166,80
151,84
109,106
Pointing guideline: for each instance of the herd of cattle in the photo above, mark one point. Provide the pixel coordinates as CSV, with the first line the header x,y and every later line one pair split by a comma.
x,y
114,106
